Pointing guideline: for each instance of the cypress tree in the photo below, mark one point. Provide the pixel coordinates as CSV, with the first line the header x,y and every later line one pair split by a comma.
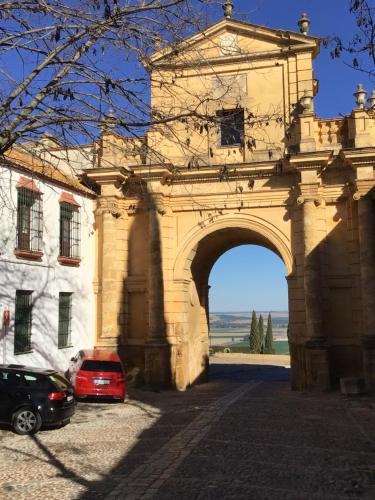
x,y
253,333
260,335
268,344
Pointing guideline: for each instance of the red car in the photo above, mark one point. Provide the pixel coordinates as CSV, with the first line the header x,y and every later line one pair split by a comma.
x,y
96,372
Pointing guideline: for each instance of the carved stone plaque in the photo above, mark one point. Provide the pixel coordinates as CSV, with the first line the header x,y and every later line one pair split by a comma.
x,y
229,86
228,44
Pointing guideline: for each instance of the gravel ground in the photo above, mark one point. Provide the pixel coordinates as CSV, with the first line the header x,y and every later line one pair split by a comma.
x,y
61,463
242,435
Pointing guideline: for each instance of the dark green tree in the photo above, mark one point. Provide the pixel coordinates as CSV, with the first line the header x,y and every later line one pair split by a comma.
x,y
254,334
268,343
260,335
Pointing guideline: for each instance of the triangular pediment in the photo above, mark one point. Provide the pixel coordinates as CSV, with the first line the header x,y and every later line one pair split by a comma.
x,y
230,38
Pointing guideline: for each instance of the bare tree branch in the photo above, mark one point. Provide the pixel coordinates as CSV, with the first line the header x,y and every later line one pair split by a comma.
x,y
359,50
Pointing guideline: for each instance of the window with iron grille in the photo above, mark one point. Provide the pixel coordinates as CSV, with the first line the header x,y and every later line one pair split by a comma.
x,y
65,319
231,127
22,323
69,230
29,220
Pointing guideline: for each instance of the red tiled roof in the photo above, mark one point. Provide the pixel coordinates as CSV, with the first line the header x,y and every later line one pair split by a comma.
x,y
29,184
68,198
34,166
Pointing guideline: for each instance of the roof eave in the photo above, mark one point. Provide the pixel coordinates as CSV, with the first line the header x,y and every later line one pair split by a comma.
x,y
81,190
246,27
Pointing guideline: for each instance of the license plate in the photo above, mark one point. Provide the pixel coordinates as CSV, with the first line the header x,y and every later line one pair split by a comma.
x,y
69,398
101,381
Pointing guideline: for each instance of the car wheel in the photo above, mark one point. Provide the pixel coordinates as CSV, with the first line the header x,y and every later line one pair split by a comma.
x,y
26,421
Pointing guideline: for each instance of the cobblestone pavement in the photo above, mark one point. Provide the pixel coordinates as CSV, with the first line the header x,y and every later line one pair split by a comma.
x,y
243,435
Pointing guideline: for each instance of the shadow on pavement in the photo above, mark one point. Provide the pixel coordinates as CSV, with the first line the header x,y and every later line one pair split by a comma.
x,y
310,445
177,410
170,413
190,449
64,471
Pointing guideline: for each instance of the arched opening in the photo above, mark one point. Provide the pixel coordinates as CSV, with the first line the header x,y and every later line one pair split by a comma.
x,y
202,248
248,278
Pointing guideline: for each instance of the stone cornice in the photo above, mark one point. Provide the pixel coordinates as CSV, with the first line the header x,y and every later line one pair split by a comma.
x,y
311,160
209,173
358,157
229,201
106,176
362,162
234,59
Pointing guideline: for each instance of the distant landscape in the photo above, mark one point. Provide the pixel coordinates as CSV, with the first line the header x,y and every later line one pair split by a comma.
x,y
231,330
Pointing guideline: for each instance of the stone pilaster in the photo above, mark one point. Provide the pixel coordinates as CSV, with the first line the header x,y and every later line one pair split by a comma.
x,y
366,230
155,278
157,349
362,162
178,335
316,349
312,280
112,252
112,255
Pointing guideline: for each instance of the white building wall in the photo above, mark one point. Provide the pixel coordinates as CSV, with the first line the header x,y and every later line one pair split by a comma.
x,y
46,278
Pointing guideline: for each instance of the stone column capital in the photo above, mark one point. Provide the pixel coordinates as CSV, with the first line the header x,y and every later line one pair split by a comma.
x,y
301,200
364,188
110,205
309,189
158,203
310,193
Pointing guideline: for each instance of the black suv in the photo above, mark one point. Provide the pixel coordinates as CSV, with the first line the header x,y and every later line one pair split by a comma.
x,y
32,397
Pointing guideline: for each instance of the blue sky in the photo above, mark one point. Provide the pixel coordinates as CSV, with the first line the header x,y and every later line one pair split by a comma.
x,y
328,18
248,277
251,277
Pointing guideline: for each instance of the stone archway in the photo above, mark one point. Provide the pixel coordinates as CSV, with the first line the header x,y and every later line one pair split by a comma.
x,y
261,227
198,252
299,185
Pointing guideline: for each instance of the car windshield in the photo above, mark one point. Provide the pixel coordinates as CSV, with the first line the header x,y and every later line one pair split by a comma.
x,y
59,381
101,366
